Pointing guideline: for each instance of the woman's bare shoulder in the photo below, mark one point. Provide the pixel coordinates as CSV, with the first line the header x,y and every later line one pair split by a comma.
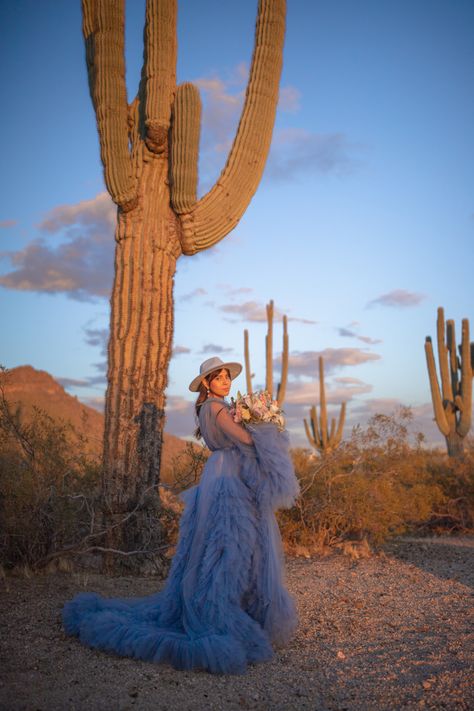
x,y
215,404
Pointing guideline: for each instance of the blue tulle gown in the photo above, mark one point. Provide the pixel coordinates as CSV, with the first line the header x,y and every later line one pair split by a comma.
x,y
224,603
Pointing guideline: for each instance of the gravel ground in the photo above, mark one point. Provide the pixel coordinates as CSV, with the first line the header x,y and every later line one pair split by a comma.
x,y
394,631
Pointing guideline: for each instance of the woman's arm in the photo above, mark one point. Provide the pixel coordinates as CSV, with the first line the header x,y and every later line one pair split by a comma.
x,y
237,433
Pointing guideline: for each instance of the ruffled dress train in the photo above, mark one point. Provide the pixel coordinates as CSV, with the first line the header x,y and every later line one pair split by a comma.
x,y
224,603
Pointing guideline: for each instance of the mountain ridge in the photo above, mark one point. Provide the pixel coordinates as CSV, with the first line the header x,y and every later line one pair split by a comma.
x,y
30,387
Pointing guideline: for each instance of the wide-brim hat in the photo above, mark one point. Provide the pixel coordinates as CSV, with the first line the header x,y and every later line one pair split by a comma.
x,y
214,364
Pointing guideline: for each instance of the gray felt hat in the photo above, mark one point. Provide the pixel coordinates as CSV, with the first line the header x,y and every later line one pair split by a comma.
x,y
214,364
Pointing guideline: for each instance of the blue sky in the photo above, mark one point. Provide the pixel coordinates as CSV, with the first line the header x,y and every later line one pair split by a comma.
x,y
362,226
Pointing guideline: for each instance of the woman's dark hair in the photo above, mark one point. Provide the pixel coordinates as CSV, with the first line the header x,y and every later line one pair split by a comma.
x,y
202,397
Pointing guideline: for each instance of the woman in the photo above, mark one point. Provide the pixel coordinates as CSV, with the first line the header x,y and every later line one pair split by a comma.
x,y
224,603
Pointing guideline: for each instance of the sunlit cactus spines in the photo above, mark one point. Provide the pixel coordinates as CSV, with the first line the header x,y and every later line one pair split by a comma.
x,y
317,432
149,150
452,403
281,389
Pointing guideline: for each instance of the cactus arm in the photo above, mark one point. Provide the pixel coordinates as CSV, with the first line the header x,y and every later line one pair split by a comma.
x,y
269,350
159,71
340,427
322,405
311,440
443,358
284,364
332,431
439,412
464,423
219,211
103,30
452,356
314,427
248,374
186,126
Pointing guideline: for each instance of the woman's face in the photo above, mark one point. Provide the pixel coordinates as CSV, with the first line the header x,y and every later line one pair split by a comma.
x,y
220,384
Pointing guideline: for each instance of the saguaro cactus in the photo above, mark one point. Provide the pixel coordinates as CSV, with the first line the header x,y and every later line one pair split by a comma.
x,y
149,149
452,404
319,436
281,390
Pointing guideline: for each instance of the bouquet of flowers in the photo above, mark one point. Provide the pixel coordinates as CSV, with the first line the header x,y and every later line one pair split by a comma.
x,y
255,408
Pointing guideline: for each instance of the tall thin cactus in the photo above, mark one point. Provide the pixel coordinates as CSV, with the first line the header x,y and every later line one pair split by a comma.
x,y
149,150
319,436
281,390
452,404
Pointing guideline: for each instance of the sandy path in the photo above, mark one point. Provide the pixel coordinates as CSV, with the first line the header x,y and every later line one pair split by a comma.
x,y
390,632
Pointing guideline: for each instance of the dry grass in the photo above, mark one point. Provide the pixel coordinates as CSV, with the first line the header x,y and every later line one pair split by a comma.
x,y
375,486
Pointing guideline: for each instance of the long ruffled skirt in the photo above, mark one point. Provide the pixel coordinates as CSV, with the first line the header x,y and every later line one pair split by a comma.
x,y
224,603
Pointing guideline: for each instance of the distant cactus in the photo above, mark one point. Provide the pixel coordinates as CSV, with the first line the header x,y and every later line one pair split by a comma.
x,y
319,436
281,390
149,150
452,404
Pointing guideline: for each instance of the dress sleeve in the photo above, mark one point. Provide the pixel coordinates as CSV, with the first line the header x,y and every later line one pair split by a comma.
x,y
237,433
278,486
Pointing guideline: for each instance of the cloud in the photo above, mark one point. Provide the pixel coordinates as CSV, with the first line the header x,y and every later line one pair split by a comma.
x,y
193,294
221,111
256,312
249,311
5,224
179,416
296,151
348,333
100,211
179,350
95,401
349,381
98,337
306,363
398,298
289,99
223,99
82,266
72,382
235,291
307,394
213,348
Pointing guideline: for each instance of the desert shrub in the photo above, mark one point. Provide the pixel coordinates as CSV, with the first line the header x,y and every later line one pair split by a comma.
x,y
49,486
375,485
186,468
455,478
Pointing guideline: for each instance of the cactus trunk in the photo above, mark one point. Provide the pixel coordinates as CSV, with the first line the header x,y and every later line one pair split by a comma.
x,y
455,445
140,343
